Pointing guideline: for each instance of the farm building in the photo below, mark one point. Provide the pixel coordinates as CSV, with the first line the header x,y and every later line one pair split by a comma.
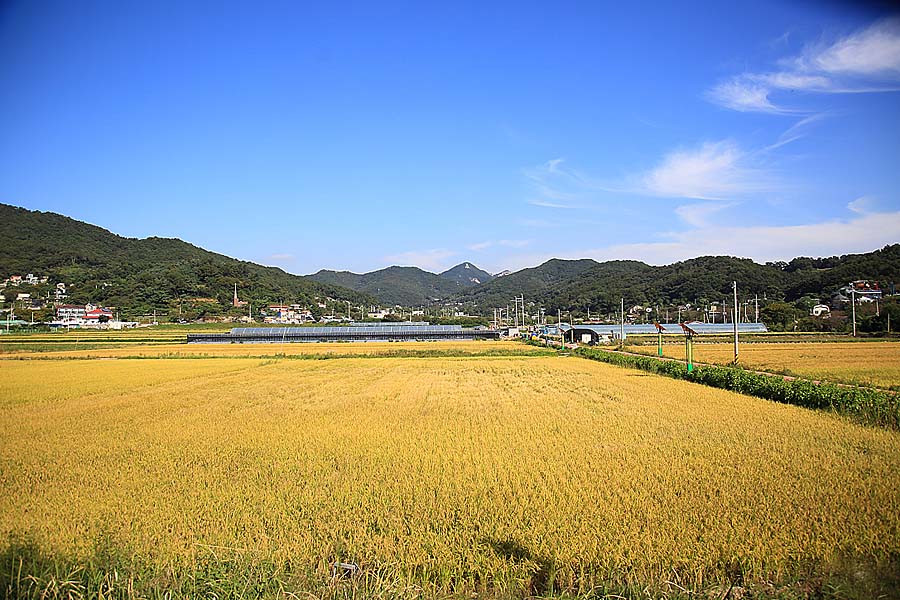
x,y
371,333
593,334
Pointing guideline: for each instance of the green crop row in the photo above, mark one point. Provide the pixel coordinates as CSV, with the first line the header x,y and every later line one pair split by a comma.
x,y
868,406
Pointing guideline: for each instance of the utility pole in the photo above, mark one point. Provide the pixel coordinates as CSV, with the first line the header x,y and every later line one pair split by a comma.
x,y
622,324
756,303
853,301
734,321
559,330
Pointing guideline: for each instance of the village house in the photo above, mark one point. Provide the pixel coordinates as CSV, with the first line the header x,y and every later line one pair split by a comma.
x,y
98,315
70,312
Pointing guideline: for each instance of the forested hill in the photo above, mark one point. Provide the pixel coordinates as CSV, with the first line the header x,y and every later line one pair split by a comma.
x,y
467,274
406,286
584,284
141,274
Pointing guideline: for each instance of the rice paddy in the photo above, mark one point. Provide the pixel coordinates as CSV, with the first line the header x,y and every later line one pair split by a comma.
x,y
875,363
326,349
503,476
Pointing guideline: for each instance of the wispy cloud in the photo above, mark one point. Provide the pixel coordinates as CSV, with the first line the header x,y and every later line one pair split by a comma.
x,y
860,233
280,259
864,61
712,171
480,246
537,223
435,259
556,186
697,215
864,205
549,204
744,95
874,51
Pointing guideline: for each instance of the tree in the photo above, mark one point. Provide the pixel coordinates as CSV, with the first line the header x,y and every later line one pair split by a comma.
x,y
780,316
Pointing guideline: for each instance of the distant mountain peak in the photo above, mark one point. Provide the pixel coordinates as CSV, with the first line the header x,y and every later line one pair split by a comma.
x,y
467,275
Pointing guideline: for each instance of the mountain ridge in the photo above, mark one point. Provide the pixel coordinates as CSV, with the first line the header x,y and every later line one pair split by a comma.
x,y
584,284
406,286
142,274
156,272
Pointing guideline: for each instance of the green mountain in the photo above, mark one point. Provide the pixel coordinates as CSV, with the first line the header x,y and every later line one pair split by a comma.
x,y
142,275
406,286
579,285
466,274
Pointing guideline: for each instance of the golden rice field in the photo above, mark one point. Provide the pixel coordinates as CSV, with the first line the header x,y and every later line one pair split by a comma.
x,y
865,363
477,347
495,476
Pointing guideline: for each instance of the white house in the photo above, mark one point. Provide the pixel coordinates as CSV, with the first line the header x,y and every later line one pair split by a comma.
x,y
70,312
820,310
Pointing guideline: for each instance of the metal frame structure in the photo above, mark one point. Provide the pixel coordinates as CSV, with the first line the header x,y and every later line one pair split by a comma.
x,y
384,333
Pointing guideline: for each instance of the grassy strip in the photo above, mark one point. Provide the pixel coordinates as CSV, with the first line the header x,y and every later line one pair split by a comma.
x,y
867,406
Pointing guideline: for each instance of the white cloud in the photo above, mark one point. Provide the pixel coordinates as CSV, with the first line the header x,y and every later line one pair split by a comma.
x,y
280,259
537,223
862,233
548,204
556,186
793,81
743,96
864,61
434,259
478,247
863,205
872,51
713,171
698,215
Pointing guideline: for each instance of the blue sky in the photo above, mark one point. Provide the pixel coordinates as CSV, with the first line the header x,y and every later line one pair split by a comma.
x,y
307,136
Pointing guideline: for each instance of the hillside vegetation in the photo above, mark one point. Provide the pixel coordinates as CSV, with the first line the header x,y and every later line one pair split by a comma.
x,y
155,273
406,286
579,285
141,274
